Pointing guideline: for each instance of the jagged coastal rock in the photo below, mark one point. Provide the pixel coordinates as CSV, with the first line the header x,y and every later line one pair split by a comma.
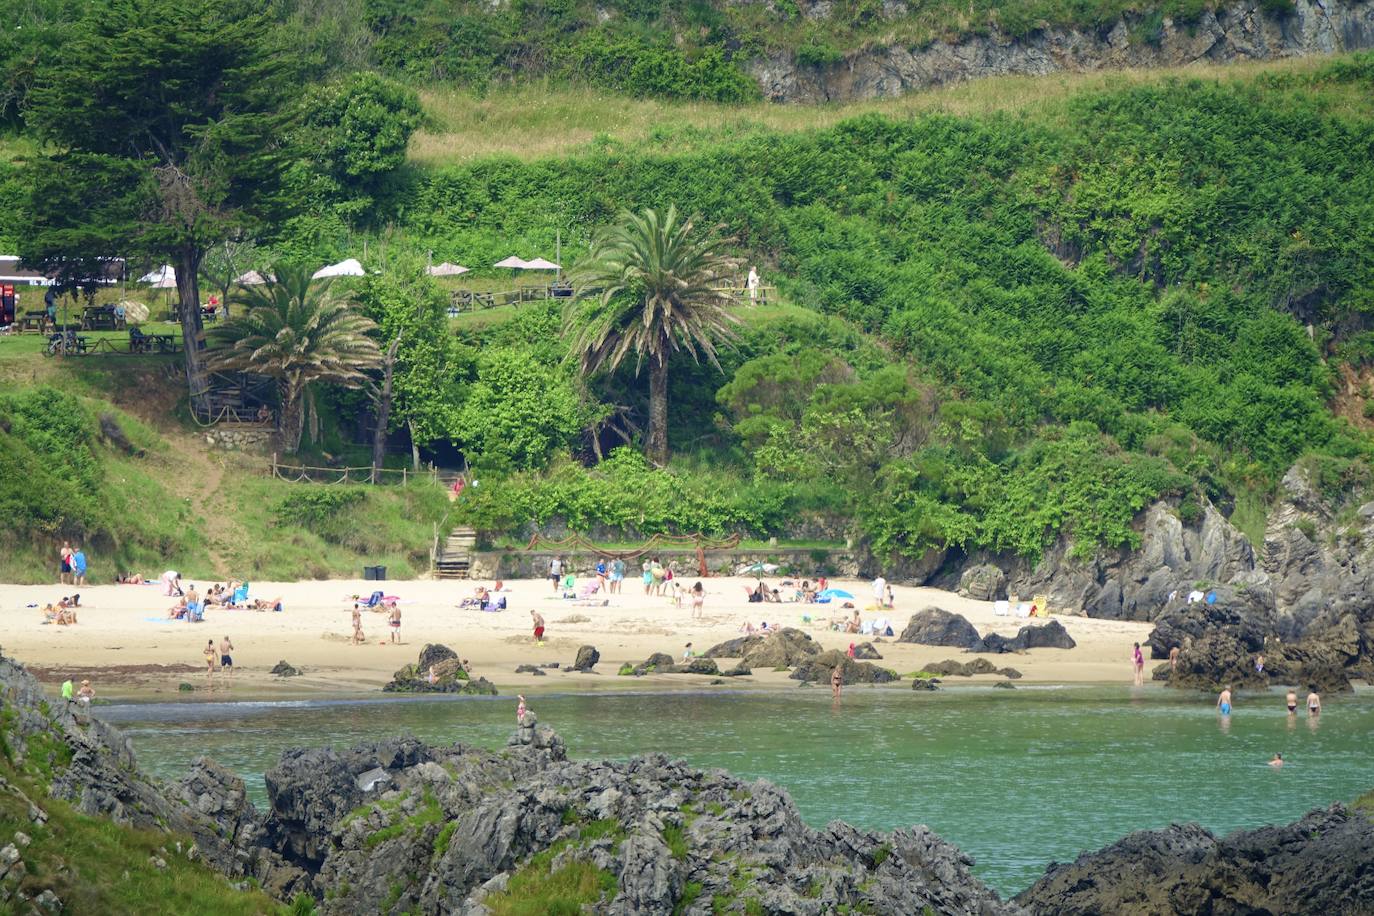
x,y
952,668
1050,635
936,627
586,659
438,670
1319,864
1235,32
817,669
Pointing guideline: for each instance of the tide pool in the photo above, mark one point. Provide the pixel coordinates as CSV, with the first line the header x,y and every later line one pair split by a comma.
x,y
1015,778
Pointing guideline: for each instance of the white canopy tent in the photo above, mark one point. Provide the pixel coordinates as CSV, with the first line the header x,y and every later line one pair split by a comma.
x,y
446,270
514,262
346,268
165,277
540,264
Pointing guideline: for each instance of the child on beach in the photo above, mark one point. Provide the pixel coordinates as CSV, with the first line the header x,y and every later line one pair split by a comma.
x,y
85,694
538,621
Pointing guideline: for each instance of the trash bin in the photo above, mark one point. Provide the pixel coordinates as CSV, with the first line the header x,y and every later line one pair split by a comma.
x,y
374,573
368,574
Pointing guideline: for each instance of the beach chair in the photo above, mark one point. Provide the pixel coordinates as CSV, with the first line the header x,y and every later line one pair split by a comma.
x,y
1042,605
240,594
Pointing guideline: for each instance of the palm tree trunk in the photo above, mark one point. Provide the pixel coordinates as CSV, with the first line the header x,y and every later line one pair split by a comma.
x,y
292,418
658,412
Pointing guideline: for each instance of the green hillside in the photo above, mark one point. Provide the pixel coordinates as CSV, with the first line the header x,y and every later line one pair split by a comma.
x,y
997,316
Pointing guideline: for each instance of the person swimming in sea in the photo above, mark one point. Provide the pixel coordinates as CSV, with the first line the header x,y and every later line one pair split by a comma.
x,y
1277,761
1224,701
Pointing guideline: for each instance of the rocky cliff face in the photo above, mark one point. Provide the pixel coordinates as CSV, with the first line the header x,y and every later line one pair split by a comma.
x,y
1240,31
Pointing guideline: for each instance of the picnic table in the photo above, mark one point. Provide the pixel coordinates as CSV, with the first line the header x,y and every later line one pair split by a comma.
x,y
33,320
140,342
101,318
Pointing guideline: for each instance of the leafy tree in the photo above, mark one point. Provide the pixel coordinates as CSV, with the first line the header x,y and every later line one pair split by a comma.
x,y
518,412
293,330
165,119
647,288
355,132
422,362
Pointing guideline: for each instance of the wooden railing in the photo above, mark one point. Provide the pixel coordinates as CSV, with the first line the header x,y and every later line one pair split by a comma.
x,y
303,473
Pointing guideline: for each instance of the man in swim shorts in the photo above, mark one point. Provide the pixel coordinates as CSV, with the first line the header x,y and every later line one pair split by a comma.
x,y
1224,701
395,623
226,660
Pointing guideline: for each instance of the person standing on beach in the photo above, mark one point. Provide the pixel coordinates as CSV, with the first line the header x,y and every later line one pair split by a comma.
x,y
601,575
395,623
1224,700
648,576
1314,703
538,620
836,681
1138,664
617,575
880,591
556,572
64,569
698,600
1173,659
67,690
226,658
79,566
209,654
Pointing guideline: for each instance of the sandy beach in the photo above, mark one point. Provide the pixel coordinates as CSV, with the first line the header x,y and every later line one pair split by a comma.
x,y
126,646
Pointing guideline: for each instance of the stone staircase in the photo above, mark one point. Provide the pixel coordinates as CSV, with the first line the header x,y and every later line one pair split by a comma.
x,y
454,559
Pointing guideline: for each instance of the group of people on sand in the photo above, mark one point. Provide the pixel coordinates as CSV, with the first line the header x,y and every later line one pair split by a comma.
x,y
62,613
224,656
391,609
71,569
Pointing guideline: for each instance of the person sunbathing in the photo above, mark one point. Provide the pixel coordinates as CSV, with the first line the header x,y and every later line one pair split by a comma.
x,y
49,613
65,616
178,610
261,605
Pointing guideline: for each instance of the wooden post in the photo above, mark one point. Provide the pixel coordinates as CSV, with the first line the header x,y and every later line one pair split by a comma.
x,y
345,480
403,475
274,464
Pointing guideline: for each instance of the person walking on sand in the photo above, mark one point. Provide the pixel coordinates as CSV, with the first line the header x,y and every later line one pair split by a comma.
x,y
1224,700
209,653
1292,702
538,620
226,658
1138,664
556,572
1314,703
394,622
698,600
836,681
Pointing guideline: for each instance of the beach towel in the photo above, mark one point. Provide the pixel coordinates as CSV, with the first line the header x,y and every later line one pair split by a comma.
x,y
1001,608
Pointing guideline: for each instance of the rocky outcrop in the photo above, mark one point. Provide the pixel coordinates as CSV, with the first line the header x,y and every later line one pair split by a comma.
x,y
951,668
1319,864
819,668
1245,614
1239,31
285,669
1050,635
936,627
586,660
782,648
438,670
865,652
983,582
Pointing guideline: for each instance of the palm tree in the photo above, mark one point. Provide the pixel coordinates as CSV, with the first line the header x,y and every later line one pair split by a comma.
x,y
646,288
291,329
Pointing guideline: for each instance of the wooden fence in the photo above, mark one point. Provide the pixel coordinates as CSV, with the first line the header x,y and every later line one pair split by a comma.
x,y
302,473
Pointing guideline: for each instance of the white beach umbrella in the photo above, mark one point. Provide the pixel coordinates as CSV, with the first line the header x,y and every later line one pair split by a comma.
x,y
346,268
512,261
540,264
165,277
447,270
252,278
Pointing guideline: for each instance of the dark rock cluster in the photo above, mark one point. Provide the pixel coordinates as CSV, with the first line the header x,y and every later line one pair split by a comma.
x,y
448,675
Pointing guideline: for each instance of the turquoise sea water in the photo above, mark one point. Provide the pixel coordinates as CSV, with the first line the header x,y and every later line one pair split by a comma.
x,y
1016,778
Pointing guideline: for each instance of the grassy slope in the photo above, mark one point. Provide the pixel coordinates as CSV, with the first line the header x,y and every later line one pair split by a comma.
x,y
538,121
207,513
